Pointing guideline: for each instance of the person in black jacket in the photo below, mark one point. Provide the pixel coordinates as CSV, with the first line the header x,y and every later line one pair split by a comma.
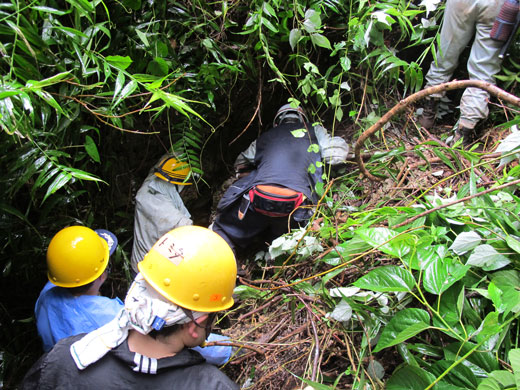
x,y
279,188
187,276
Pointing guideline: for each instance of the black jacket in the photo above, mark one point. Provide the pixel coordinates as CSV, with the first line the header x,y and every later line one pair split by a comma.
x,y
283,159
122,369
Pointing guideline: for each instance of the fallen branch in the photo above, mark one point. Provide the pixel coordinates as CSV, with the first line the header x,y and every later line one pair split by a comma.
x,y
411,219
457,84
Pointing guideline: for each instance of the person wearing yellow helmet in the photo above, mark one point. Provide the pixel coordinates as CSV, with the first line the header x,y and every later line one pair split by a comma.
x,y
184,281
159,206
77,266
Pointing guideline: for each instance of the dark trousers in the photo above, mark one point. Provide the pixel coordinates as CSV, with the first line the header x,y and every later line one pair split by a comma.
x,y
254,226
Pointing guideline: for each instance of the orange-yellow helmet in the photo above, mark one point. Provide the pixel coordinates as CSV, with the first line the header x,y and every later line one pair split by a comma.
x,y
76,256
192,267
173,171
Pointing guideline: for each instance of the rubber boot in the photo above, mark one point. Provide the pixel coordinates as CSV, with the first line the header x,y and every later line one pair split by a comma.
x,y
427,118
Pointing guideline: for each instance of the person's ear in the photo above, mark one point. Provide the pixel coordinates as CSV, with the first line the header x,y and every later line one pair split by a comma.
x,y
193,327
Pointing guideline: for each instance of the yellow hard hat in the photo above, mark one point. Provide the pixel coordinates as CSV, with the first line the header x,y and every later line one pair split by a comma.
x,y
76,256
192,267
173,171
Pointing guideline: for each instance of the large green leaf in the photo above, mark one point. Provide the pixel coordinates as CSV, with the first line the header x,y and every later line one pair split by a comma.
x,y
441,274
386,240
389,278
458,375
409,378
488,258
498,380
403,325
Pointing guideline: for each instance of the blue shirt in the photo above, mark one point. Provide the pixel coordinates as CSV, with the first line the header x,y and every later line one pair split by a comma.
x,y
60,314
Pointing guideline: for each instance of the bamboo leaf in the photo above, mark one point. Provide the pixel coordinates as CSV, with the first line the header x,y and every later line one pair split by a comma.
x,y
119,62
49,10
127,90
58,78
91,148
60,180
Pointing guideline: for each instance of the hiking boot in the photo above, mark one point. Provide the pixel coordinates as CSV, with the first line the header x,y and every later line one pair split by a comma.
x,y
467,135
427,118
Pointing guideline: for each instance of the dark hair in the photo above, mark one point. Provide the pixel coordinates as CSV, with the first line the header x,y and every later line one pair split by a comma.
x,y
165,332
80,290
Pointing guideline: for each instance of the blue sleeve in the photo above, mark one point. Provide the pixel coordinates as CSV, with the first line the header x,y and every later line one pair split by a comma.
x,y
217,354
60,314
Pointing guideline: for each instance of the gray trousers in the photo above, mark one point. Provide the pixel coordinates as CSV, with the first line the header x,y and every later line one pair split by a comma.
x,y
463,20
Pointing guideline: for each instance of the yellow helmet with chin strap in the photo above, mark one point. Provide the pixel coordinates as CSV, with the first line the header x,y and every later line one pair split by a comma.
x,y
173,171
76,256
192,267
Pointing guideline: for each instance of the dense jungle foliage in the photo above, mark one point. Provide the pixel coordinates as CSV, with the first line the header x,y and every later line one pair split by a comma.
x,y
407,283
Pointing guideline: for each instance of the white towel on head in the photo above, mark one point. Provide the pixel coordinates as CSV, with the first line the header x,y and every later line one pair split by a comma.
x,y
142,306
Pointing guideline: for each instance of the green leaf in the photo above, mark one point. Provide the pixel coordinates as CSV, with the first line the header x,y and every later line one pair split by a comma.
x,y
246,292
409,378
127,90
119,61
465,242
91,148
314,148
6,94
49,10
486,257
451,305
386,240
508,277
312,22
59,181
480,362
82,175
498,380
441,274
142,37
513,243
403,325
294,37
134,4
120,81
269,25
49,100
72,33
459,375
514,359
48,81
389,278
490,325
299,133
321,41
